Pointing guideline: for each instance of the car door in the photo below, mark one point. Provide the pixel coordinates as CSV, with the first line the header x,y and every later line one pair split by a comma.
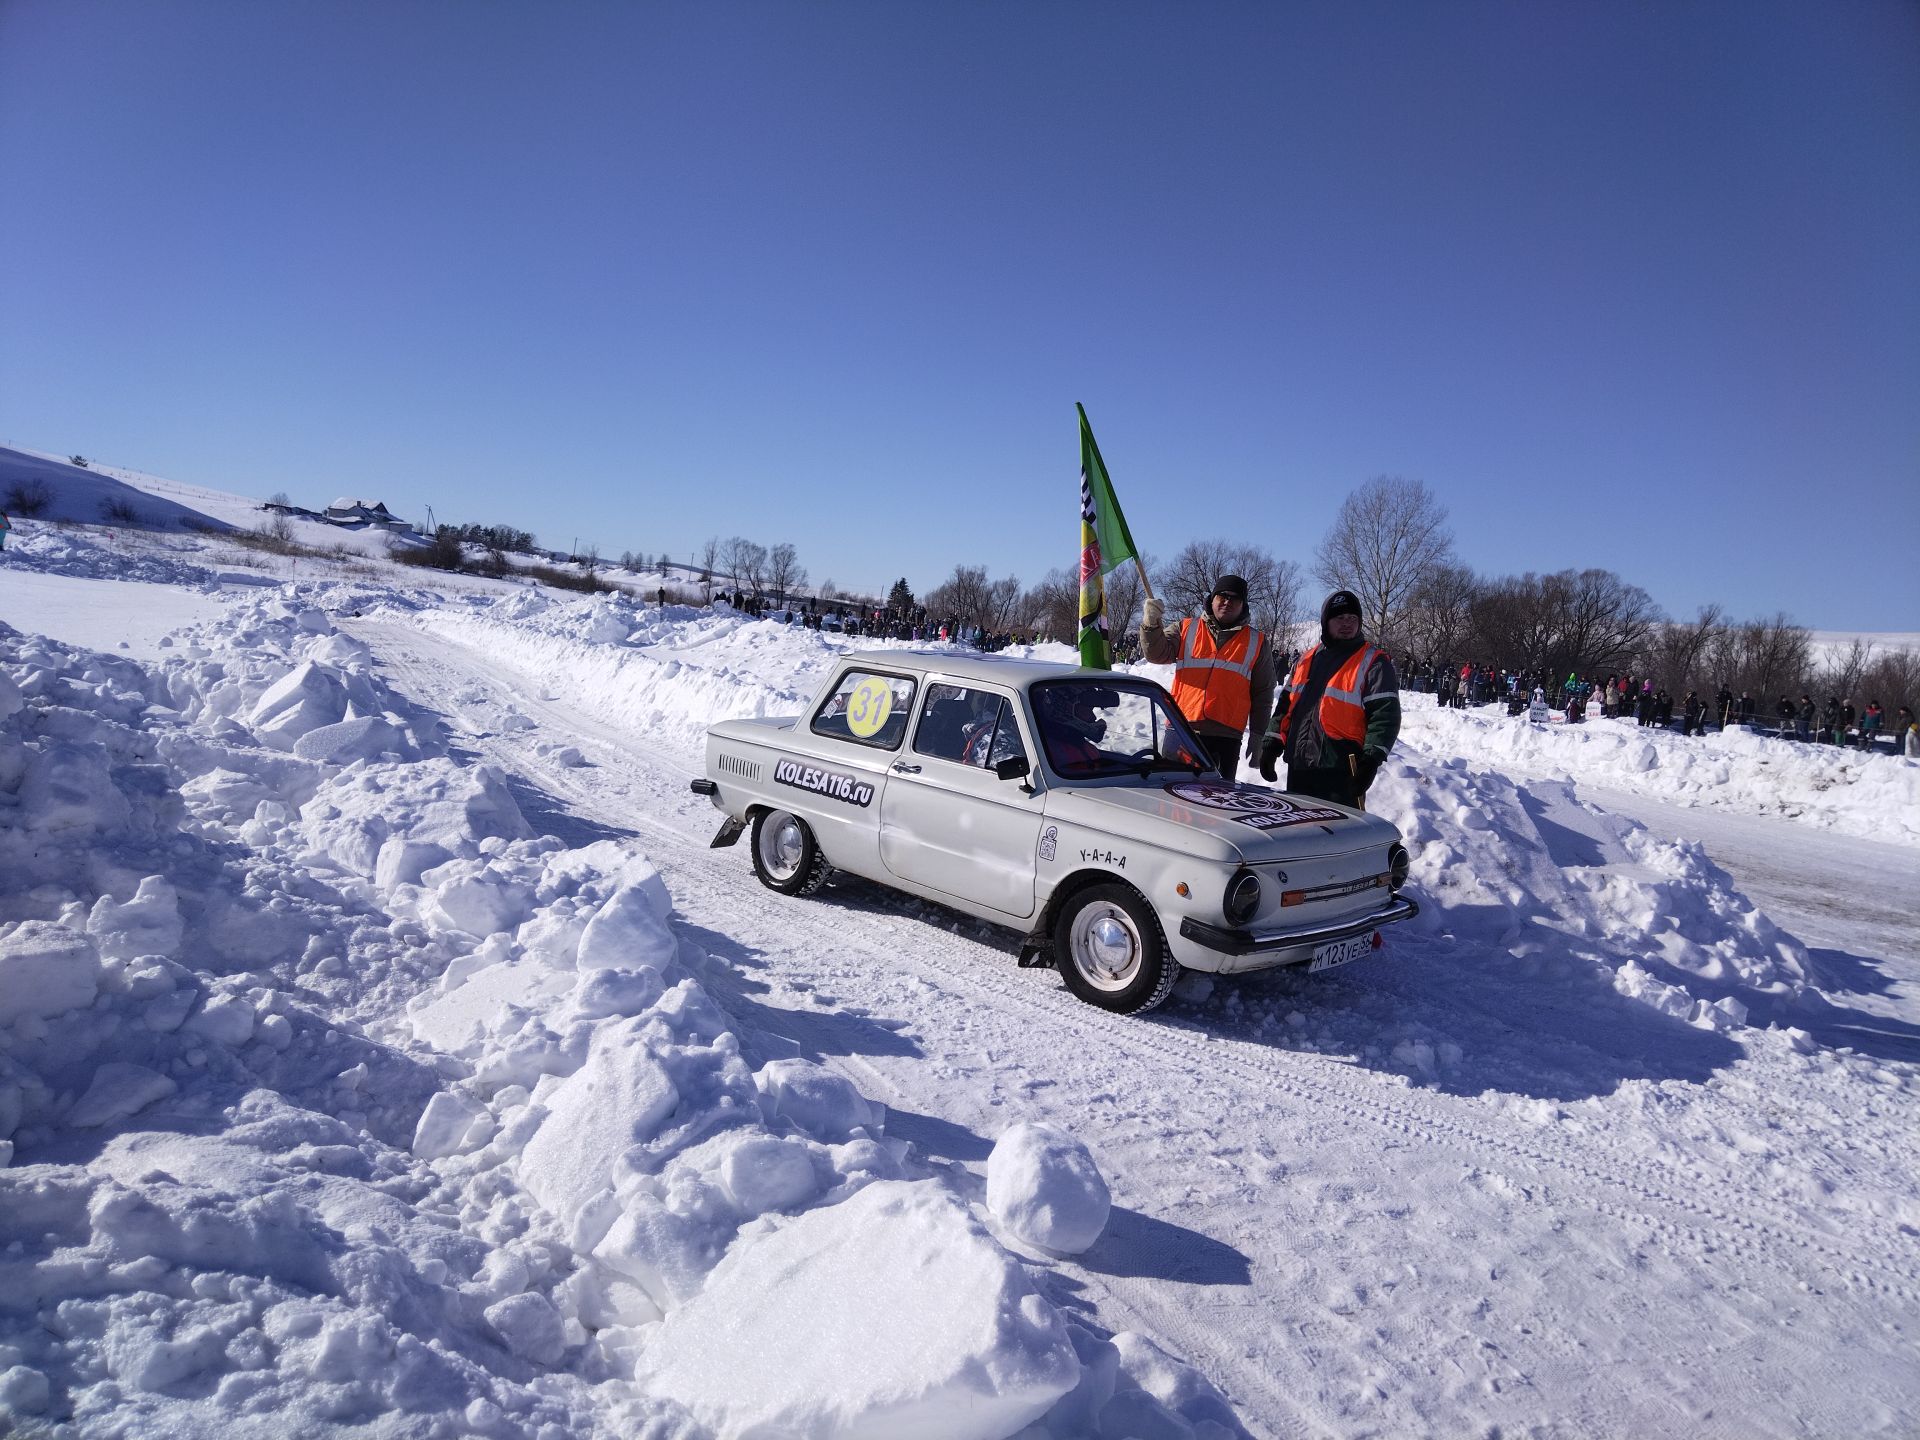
x,y
947,821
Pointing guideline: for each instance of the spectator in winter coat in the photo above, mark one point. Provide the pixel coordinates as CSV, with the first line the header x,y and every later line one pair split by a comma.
x,y
1911,735
1339,713
1870,725
1693,715
1830,722
1223,676
1743,711
1723,706
1803,720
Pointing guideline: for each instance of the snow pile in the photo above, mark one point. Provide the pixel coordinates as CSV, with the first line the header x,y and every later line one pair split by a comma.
x,y
1043,1186
1570,891
100,555
333,1097
1850,791
893,1314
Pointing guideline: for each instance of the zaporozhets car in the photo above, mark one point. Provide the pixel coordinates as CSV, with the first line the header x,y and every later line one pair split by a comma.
x,y
1072,805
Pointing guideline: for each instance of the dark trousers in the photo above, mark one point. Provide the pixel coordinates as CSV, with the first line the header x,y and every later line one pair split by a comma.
x,y
1225,752
1324,784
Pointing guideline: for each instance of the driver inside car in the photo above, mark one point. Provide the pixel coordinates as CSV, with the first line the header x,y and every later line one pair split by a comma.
x,y
1071,723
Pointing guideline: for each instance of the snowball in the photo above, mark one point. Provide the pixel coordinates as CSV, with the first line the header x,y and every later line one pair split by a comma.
x,y
760,1173
226,1018
1044,1187
889,1314
814,1099
46,969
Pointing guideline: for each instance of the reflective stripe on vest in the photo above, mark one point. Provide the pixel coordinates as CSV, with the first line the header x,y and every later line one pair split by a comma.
x,y
1193,691
1343,714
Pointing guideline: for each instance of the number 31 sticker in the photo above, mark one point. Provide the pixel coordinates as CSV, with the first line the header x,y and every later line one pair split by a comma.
x,y
869,706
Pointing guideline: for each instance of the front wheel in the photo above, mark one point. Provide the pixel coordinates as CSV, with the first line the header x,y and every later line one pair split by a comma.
x,y
1111,951
786,857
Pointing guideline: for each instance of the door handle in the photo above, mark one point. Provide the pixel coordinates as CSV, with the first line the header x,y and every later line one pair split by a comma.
x,y
905,769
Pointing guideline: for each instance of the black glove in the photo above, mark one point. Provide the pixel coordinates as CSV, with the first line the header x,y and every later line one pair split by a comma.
x,y
1269,757
1366,767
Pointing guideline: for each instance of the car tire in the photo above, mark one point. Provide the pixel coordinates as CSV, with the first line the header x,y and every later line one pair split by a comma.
x,y
786,857
1111,951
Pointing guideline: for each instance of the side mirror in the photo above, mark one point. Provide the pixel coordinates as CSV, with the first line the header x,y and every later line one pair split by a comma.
x,y
1014,767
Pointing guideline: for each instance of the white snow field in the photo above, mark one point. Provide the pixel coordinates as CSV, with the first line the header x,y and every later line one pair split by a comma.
x,y
383,1052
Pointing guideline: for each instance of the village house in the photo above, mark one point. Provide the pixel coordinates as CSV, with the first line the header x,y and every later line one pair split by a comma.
x,y
357,513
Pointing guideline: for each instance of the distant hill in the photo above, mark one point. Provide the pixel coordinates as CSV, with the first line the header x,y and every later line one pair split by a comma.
x,y
64,491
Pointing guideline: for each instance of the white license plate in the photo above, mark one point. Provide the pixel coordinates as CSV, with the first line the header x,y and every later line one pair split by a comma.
x,y
1341,951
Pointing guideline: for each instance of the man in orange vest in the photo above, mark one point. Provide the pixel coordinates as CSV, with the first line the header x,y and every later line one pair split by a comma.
x,y
1339,713
1223,670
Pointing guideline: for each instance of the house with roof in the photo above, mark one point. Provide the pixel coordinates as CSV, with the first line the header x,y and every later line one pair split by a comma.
x,y
363,513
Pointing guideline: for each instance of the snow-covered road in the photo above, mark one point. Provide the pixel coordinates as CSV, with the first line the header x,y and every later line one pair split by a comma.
x,y
1416,1196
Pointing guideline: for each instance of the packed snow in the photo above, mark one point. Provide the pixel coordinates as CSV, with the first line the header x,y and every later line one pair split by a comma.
x,y
383,1051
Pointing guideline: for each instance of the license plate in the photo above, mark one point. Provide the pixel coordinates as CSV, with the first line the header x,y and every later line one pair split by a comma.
x,y
1341,951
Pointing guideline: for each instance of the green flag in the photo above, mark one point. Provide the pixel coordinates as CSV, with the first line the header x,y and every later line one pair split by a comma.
x,y
1104,543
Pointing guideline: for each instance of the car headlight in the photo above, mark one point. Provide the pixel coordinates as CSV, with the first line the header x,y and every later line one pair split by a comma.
x,y
1243,897
1398,864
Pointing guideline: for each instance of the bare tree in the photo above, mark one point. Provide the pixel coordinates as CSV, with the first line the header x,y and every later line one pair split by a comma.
x,y
745,561
1273,586
1680,649
589,559
1389,534
963,598
709,559
1003,604
1052,607
784,571
1841,674
1439,614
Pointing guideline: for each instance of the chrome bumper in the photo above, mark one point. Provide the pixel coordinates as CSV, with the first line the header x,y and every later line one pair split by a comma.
x,y
1261,942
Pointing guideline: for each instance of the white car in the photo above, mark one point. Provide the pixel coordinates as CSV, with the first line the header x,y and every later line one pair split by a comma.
x,y
1072,805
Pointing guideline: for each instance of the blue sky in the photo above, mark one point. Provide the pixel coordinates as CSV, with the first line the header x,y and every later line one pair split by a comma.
x,y
1630,285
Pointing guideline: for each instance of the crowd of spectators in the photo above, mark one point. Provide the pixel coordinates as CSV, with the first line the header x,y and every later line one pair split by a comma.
x,y
1637,698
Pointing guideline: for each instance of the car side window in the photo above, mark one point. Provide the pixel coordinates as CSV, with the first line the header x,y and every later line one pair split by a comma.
x,y
968,727
866,708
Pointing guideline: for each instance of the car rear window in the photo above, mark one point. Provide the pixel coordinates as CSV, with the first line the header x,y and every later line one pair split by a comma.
x,y
866,708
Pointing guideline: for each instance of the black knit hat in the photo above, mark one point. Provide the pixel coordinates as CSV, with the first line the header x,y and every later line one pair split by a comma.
x,y
1232,586
1340,602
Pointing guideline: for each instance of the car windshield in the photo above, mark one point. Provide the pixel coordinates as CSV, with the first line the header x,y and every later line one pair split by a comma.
x,y
1113,726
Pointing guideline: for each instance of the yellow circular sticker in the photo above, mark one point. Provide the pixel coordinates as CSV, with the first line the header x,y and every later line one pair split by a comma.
x,y
869,706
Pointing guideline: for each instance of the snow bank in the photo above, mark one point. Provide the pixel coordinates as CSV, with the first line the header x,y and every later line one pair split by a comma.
x,y
1873,796
333,1097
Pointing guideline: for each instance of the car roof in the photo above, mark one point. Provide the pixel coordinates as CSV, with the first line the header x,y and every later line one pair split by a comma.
x,y
983,669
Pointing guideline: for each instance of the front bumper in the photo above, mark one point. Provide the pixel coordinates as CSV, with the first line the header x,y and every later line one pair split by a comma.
x,y
1306,938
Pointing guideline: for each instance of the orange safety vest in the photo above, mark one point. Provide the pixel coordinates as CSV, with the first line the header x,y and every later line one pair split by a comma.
x,y
1343,716
1193,688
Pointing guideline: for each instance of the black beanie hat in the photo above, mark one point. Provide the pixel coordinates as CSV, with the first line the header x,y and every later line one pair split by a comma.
x,y
1231,586
1340,602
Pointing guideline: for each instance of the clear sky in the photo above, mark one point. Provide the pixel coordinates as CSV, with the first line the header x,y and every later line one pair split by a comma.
x,y
1626,284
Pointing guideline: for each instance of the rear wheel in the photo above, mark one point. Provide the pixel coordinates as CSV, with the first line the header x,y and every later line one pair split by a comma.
x,y
786,857
1110,950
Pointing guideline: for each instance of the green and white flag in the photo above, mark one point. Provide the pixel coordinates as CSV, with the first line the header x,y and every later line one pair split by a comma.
x,y
1104,543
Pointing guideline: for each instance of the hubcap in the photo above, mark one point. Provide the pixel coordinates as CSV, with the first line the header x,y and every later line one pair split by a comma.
x,y
781,846
1106,946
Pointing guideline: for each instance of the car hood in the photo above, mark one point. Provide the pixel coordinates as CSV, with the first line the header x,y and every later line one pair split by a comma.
x,y
1247,822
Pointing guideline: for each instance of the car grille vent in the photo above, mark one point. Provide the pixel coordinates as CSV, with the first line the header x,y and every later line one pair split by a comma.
x,y
734,765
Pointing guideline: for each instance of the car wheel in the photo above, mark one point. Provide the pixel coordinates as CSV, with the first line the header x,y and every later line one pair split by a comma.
x,y
786,857
1110,950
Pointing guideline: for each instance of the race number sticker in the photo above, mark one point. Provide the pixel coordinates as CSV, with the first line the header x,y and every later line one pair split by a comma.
x,y
1251,804
830,783
869,706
